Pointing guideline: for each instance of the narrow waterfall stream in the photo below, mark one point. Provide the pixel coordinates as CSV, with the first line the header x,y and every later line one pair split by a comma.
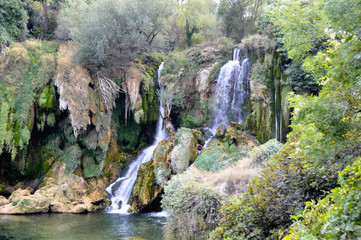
x,y
276,119
121,189
231,93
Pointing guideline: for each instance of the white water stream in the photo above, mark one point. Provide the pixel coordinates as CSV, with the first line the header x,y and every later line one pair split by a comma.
x,y
231,93
121,189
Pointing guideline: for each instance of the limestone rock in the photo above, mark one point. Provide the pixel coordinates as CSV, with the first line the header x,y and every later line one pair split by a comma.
x,y
184,152
59,192
3,201
145,190
247,139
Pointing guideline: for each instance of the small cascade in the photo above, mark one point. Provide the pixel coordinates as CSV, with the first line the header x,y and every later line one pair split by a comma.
x,y
280,139
121,189
232,92
276,119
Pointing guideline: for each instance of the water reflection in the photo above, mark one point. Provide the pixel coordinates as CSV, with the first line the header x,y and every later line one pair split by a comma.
x,y
73,226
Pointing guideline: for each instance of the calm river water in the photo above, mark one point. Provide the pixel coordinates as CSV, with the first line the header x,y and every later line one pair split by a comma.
x,y
91,226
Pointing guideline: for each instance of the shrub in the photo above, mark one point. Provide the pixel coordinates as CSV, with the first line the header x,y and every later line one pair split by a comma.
x,y
257,45
265,151
337,216
285,183
189,121
193,207
218,157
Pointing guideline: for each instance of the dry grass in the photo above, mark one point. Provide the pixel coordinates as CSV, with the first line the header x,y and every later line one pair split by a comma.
x,y
14,65
232,180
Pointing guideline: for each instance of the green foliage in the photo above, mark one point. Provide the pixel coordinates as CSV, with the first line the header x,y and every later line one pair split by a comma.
x,y
113,32
232,13
219,157
25,71
72,158
301,81
189,121
193,207
91,168
13,20
194,22
301,24
128,136
46,99
42,17
161,174
257,45
337,216
265,151
326,130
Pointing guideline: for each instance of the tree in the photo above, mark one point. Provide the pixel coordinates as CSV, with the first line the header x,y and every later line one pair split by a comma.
x,y
13,19
113,32
195,21
239,17
42,17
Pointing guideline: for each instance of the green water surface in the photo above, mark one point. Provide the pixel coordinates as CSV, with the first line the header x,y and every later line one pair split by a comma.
x,y
81,226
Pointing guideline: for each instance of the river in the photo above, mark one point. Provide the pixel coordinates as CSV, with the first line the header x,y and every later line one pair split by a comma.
x,y
90,226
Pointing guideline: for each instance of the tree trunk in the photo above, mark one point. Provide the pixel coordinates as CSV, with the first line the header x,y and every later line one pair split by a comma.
x,y
46,17
189,33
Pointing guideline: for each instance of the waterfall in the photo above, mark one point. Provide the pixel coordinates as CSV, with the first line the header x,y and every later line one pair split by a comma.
x,y
121,189
276,120
281,116
231,92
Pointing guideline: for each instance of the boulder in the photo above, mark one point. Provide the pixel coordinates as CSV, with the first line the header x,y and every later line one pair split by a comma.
x,y
3,201
59,192
145,189
184,151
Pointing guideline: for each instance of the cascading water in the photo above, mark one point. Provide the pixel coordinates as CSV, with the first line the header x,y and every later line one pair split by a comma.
x,y
121,189
276,119
232,92
280,139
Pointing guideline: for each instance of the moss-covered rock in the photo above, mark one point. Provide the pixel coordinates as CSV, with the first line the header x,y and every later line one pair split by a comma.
x,y
184,151
196,67
145,189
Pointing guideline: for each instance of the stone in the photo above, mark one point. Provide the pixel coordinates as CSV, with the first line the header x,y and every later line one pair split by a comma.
x,y
246,139
184,151
145,190
221,130
3,201
59,192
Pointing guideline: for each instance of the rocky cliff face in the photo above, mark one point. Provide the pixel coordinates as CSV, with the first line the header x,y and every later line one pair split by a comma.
x,y
172,156
72,142
69,126
190,75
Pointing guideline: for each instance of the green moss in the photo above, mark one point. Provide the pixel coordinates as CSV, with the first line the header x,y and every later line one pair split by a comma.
x,y
145,188
160,151
28,67
46,98
40,163
24,203
189,121
90,167
15,203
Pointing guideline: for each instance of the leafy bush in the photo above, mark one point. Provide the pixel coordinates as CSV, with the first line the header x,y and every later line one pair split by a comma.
x,y
265,151
218,157
13,19
300,80
24,72
337,216
189,121
285,183
256,46
193,208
